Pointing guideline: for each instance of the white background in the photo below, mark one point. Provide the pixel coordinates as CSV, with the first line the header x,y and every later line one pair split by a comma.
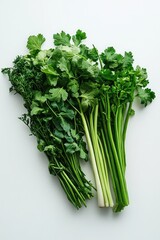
x,y
32,205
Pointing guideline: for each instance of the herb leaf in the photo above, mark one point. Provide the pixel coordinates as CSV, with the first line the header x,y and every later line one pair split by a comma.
x,y
77,39
61,39
34,43
58,94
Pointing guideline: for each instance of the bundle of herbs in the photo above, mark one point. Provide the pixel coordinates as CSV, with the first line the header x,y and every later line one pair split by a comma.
x,y
75,96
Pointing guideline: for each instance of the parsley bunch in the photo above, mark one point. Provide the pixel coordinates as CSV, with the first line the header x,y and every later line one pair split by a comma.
x,y
70,92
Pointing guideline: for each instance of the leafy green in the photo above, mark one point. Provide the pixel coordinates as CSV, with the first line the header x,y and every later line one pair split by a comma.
x,y
61,39
146,95
78,37
71,147
80,100
73,86
58,94
39,97
63,65
35,42
128,59
36,110
48,69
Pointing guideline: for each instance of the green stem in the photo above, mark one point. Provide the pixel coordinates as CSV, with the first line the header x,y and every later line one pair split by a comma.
x,y
106,178
93,161
73,165
118,136
110,160
75,189
51,109
119,169
98,157
71,191
126,121
125,130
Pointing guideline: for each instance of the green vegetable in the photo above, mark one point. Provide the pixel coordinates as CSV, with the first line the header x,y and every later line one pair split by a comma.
x,y
72,91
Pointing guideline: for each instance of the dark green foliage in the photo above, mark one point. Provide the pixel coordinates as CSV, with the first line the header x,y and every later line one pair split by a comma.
x,y
72,91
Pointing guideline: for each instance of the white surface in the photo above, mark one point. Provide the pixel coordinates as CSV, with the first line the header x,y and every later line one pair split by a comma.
x,y
32,206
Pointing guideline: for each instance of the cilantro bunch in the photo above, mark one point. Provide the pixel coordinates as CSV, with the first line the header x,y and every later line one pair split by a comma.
x,y
75,96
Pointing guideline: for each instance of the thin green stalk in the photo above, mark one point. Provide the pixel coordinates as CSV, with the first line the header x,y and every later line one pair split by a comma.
x,y
119,169
72,190
102,161
75,169
126,121
51,109
98,157
70,159
125,130
118,136
75,189
69,193
110,159
93,161
106,179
